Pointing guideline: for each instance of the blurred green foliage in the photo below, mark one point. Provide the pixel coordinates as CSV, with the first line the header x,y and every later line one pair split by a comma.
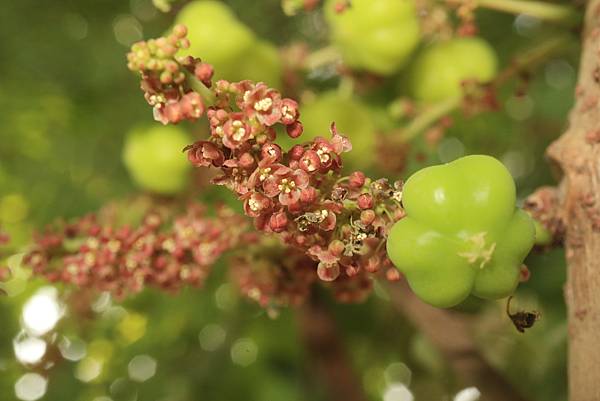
x,y
67,101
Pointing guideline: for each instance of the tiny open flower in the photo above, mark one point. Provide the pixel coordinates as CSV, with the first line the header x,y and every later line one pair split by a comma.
x,y
278,222
289,111
236,131
327,156
264,103
192,106
204,154
339,142
271,151
256,204
286,183
328,272
323,255
266,168
310,161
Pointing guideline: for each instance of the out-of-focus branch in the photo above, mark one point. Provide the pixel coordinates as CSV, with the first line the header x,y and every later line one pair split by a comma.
x,y
451,334
327,354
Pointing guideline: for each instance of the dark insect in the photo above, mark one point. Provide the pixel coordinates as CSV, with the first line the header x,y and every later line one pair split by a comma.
x,y
522,319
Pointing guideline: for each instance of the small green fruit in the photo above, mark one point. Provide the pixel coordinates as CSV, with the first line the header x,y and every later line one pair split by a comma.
x,y
154,158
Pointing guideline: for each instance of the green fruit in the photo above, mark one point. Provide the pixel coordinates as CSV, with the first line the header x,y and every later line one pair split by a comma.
x,y
154,158
216,35
462,233
260,64
438,72
375,35
542,235
352,119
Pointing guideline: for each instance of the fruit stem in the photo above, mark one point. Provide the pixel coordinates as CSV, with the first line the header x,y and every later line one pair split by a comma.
x,y
428,117
539,9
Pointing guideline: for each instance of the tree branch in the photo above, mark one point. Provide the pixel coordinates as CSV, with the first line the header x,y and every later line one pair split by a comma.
x,y
326,351
451,334
577,153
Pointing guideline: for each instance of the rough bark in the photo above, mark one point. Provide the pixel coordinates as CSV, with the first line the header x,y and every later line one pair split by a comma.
x,y
327,354
577,153
452,335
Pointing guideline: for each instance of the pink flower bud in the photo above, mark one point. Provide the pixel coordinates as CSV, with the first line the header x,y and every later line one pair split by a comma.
x,y
295,129
246,161
204,72
356,179
336,247
365,201
296,152
308,195
367,217
278,222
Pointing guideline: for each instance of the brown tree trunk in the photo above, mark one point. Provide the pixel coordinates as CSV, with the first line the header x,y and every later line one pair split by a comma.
x,y
577,153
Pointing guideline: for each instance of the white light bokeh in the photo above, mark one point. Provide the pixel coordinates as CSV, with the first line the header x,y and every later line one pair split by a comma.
x,y
29,350
142,368
42,311
72,349
468,394
244,352
211,337
31,387
397,392
519,107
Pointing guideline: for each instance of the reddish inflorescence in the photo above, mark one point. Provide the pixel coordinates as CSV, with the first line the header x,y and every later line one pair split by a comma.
x,y
329,225
163,251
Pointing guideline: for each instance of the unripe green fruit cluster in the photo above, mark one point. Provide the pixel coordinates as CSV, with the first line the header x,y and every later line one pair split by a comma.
x,y
154,158
462,234
219,38
374,35
438,72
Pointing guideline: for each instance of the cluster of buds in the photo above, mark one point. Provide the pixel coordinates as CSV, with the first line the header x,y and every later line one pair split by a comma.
x,y
164,76
164,251
340,222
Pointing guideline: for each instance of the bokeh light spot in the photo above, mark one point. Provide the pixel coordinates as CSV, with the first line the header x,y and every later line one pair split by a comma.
x,y
142,368
398,373
127,30
72,349
42,311
397,392
468,394
31,387
211,337
244,352
29,350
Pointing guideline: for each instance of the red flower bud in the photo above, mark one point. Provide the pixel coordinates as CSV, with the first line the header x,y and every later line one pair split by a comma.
x,y
356,179
271,151
367,217
296,152
295,129
278,222
365,201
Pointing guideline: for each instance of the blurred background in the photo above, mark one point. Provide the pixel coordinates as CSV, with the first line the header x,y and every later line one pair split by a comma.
x,y
68,103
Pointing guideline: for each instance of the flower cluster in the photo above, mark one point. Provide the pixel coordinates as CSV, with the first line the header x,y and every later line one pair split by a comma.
x,y
340,222
164,251
164,76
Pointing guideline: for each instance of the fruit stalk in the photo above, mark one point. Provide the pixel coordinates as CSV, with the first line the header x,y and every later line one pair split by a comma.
x,y
539,9
576,153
